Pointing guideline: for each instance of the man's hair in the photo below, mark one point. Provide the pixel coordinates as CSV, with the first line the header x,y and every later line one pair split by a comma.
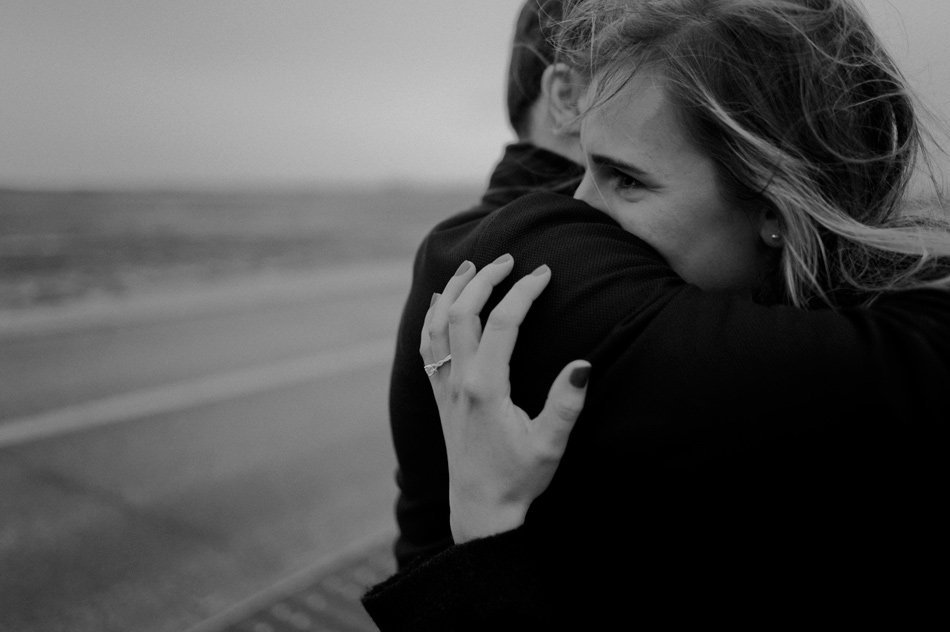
x,y
532,51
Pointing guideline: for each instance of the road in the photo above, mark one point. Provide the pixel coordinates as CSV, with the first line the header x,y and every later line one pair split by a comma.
x,y
165,459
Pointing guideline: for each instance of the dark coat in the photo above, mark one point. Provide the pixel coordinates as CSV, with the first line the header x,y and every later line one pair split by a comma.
x,y
734,462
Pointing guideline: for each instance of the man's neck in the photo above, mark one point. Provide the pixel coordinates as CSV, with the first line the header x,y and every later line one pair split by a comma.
x,y
541,134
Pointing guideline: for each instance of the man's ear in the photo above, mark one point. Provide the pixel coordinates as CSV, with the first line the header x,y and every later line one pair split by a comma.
x,y
561,89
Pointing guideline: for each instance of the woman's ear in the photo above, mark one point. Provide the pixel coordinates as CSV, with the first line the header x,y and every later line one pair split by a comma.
x,y
561,90
770,228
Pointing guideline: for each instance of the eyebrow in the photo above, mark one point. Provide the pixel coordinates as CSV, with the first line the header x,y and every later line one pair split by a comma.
x,y
605,161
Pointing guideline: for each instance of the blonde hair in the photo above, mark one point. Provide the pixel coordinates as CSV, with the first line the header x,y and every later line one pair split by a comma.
x,y
801,108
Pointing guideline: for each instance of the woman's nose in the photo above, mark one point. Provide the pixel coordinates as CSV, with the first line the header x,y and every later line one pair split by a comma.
x,y
587,192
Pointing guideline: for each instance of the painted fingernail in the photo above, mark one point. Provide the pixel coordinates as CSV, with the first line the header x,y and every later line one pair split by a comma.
x,y
435,297
542,269
463,268
502,259
579,376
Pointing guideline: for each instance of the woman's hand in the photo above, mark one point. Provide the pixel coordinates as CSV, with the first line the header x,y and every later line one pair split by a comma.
x,y
499,460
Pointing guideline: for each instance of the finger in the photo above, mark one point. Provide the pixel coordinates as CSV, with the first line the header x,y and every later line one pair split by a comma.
x,y
465,325
501,328
563,405
425,347
438,327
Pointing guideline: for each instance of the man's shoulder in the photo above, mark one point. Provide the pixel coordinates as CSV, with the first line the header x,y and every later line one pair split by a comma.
x,y
462,221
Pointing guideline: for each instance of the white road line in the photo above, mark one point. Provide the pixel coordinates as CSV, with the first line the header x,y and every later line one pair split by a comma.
x,y
207,390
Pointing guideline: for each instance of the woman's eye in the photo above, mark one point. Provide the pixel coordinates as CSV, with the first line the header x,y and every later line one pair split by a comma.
x,y
624,181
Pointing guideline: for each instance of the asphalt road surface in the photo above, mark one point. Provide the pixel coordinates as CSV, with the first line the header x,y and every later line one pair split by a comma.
x,y
164,460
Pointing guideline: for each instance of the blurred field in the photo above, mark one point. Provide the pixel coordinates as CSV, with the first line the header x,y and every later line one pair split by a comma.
x,y
57,247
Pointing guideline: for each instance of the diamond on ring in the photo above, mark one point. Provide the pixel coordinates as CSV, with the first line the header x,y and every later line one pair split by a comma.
x,y
432,368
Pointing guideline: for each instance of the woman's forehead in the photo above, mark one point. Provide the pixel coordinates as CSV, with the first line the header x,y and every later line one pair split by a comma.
x,y
637,118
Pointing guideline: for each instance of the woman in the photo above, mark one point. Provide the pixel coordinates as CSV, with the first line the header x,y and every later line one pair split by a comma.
x,y
765,403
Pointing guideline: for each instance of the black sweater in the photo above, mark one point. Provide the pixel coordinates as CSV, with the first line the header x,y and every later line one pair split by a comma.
x,y
733,460
422,506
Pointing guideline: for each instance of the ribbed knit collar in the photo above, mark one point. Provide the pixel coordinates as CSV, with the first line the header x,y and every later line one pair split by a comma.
x,y
526,168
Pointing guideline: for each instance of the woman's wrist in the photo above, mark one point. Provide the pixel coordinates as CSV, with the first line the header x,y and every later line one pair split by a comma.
x,y
469,520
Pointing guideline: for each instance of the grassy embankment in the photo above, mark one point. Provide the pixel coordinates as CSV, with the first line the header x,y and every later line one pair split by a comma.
x,y
60,246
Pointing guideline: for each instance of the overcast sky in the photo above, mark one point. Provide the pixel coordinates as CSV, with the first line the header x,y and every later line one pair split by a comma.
x,y
222,92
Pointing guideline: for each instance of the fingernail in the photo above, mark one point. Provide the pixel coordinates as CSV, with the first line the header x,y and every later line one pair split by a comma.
x,y
502,259
541,270
435,297
579,376
463,268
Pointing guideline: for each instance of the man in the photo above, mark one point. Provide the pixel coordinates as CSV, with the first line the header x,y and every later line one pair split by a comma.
x,y
542,111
